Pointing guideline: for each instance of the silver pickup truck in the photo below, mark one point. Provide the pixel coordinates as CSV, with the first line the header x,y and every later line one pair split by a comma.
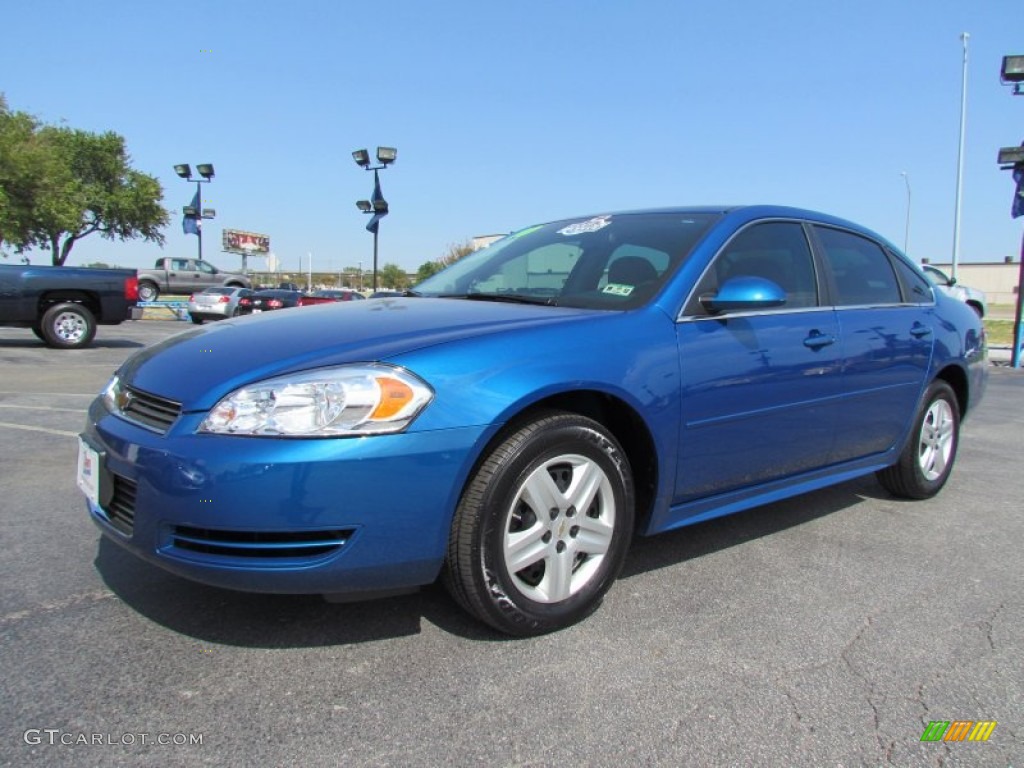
x,y
172,275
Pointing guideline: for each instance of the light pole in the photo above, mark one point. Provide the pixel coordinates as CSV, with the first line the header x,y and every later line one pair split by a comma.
x,y
376,205
1012,159
906,231
960,160
192,223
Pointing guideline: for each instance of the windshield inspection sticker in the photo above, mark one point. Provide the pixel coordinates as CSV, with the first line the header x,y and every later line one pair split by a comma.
x,y
618,289
582,227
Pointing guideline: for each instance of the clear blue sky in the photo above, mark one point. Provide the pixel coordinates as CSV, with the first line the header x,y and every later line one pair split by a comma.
x,y
507,114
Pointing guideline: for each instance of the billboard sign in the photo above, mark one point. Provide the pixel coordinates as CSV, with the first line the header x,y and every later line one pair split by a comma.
x,y
245,243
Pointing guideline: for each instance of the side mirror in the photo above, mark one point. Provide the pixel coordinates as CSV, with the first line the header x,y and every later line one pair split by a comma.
x,y
745,293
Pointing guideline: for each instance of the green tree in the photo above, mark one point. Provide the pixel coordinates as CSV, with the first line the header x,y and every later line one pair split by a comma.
x,y
24,167
428,269
392,276
60,184
455,252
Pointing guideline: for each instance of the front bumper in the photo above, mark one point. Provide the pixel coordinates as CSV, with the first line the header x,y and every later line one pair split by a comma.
x,y
281,515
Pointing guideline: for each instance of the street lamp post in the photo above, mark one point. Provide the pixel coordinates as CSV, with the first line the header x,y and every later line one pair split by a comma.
x,y
964,37
906,231
376,205
192,223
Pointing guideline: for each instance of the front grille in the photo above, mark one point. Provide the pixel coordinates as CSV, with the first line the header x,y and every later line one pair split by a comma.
x,y
121,509
151,411
259,544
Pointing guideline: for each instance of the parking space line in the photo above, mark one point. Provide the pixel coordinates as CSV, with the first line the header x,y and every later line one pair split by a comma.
x,y
44,408
27,428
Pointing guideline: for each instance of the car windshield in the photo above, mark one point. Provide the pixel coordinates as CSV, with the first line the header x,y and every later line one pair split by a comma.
x,y
602,262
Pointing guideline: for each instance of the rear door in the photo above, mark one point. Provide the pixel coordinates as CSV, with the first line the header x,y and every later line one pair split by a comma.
x,y
886,331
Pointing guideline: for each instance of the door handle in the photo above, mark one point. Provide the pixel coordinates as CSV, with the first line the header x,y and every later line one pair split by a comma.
x,y
817,340
919,330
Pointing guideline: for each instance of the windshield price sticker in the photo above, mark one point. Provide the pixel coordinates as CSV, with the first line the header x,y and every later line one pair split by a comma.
x,y
582,227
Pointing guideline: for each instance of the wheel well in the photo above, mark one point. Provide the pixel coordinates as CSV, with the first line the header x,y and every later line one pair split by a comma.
x,y
88,300
957,379
622,421
977,307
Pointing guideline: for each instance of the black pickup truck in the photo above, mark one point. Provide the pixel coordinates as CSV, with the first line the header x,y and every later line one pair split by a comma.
x,y
63,305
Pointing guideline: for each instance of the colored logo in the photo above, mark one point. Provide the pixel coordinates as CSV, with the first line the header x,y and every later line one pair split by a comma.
x,y
958,730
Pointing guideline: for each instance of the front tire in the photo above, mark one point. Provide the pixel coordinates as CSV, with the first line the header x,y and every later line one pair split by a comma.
x,y
68,326
543,526
927,459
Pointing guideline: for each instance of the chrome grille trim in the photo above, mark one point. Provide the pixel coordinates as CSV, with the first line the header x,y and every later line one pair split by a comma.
x,y
150,411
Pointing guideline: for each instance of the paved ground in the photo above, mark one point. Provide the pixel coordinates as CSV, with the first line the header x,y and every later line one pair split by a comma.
x,y
823,631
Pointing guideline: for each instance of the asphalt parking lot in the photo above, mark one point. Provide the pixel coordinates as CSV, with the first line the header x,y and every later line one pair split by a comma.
x,y
827,630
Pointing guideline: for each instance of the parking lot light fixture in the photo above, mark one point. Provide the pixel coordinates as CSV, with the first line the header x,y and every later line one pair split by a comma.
x,y
192,223
1012,73
376,205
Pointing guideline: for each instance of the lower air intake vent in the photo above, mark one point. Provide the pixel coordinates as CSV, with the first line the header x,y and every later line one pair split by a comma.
x,y
258,544
121,509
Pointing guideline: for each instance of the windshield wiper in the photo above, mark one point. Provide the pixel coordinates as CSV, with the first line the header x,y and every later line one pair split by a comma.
x,y
514,298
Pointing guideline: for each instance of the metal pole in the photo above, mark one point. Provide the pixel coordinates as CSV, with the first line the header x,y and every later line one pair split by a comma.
x,y
906,232
960,160
199,217
1015,357
375,258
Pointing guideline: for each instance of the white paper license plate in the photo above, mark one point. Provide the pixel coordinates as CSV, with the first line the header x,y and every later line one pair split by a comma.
x,y
255,311
89,472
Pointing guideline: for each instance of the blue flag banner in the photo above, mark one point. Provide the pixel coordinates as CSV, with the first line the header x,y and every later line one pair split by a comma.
x,y
1018,193
190,224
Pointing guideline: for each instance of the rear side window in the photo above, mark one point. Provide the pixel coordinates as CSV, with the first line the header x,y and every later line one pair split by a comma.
x,y
916,290
861,269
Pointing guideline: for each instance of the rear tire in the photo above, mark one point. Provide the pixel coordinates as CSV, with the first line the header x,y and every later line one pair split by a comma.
x,y
543,527
927,459
68,326
148,292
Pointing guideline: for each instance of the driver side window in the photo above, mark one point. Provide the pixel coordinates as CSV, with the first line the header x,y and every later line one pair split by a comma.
x,y
776,251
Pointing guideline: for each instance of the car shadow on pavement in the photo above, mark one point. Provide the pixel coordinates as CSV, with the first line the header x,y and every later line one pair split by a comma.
x,y
31,342
700,539
227,617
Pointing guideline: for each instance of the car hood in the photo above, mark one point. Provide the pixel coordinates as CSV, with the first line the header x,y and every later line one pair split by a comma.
x,y
196,368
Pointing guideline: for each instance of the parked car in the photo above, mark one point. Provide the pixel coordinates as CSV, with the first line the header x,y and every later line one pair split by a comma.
x,y
266,301
328,295
172,275
216,304
63,305
509,426
972,297
386,294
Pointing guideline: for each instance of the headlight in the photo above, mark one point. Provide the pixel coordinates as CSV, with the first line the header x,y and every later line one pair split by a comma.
x,y
328,402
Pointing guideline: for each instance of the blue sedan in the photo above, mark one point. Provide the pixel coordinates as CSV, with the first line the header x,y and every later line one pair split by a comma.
x,y
512,422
